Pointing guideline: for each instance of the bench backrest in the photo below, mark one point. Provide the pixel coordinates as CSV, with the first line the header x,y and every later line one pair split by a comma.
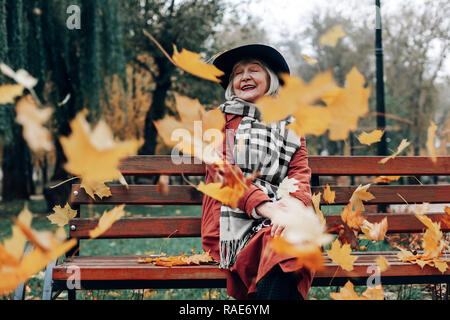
x,y
155,227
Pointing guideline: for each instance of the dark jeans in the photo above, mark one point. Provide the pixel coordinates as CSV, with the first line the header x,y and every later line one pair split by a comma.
x,y
277,285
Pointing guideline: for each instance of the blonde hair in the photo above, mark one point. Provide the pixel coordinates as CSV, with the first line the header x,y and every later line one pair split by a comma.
x,y
274,85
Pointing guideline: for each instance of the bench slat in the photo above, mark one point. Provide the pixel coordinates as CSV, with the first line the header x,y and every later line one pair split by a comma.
x,y
182,194
177,227
320,165
125,268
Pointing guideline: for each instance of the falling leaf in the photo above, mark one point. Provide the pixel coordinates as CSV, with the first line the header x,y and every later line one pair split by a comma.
x,y
386,179
7,259
106,221
331,37
193,63
287,186
22,77
403,145
383,264
431,136
432,241
354,219
316,203
359,195
446,218
348,293
311,259
32,120
15,245
309,60
94,188
9,92
340,254
94,155
347,105
329,195
163,185
62,216
375,231
372,137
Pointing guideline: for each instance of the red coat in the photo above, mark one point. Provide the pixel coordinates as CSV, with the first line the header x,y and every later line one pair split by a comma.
x,y
257,258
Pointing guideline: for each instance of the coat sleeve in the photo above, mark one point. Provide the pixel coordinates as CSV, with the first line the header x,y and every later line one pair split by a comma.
x,y
299,170
252,198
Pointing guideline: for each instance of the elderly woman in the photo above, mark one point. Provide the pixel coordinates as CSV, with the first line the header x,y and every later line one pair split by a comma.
x,y
240,237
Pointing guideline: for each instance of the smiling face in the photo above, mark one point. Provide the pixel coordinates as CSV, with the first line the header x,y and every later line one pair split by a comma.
x,y
250,80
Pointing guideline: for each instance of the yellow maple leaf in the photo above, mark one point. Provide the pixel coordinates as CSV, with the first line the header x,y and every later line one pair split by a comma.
x,y
340,254
311,259
359,195
331,37
431,136
432,241
106,221
371,137
9,92
329,195
348,293
316,203
225,194
297,98
402,146
382,263
347,105
32,120
98,188
193,63
94,155
62,216
354,219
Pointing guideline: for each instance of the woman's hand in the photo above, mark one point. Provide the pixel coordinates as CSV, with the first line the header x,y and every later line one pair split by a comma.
x,y
269,210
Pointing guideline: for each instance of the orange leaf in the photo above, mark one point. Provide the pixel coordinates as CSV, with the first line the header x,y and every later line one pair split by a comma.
x,y
374,231
107,220
316,203
329,195
372,137
354,219
348,293
193,63
9,92
311,259
340,254
386,179
62,216
446,218
331,37
309,60
359,195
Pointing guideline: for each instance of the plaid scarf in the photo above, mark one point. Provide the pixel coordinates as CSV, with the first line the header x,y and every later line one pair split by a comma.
x,y
258,147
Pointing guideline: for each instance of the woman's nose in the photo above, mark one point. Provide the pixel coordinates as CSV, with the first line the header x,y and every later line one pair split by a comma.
x,y
246,75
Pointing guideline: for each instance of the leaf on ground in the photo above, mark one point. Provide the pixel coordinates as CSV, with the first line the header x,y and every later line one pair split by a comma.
x,y
431,136
386,179
32,119
402,146
106,221
9,92
62,216
93,154
193,63
329,195
371,137
332,36
287,186
340,254
359,195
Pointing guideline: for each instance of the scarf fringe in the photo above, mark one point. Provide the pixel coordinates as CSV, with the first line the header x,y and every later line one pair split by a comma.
x,y
229,250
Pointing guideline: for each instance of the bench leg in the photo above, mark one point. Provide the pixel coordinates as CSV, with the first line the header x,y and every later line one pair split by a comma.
x,y
72,294
48,281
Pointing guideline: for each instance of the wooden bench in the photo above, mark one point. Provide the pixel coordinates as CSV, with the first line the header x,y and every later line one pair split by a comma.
x,y
124,272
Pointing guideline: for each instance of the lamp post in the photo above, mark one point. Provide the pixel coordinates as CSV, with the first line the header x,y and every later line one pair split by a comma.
x,y
381,120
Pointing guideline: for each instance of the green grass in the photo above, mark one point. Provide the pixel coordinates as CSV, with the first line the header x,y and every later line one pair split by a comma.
x,y
170,246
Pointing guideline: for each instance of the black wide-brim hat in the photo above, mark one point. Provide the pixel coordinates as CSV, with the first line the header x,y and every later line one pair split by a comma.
x,y
271,57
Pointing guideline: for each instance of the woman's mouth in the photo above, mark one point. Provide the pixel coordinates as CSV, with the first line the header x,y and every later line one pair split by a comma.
x,y
248,87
